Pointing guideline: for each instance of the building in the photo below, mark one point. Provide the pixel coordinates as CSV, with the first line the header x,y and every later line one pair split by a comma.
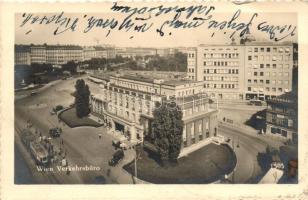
x,y
62,54
22,55
282,116
38,54
252,70
268,69
130,52
126,104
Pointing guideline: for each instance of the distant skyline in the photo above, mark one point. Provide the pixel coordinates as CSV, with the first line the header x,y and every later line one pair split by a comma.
x,y
41,34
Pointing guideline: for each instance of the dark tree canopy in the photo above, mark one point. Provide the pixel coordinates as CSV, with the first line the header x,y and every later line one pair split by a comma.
x,y
168,130
82,98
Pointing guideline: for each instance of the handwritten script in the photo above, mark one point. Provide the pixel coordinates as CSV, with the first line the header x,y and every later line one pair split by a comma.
x,y
160,19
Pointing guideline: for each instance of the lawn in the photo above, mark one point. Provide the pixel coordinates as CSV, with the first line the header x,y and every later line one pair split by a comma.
x,y
205,165
70,118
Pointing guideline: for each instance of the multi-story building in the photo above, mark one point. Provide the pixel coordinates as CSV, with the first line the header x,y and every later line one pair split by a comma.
x,y
22,55
126,104
220,67
247,71
38,54
62,54
268,69
281,116
130,52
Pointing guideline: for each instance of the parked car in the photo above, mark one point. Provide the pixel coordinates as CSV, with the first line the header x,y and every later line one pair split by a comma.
x,y
116,158
55,132
33,93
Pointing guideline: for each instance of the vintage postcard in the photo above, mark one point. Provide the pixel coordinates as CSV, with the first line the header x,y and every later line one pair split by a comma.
x,y
172,100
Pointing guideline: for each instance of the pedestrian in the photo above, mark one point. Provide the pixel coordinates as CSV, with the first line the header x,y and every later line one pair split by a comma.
x,y
62,142
100,136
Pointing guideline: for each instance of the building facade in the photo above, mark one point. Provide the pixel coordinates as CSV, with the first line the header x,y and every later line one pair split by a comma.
x,y
126,104
253,70
22,55
282,118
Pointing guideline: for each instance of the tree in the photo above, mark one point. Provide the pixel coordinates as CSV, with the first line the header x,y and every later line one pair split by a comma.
x,y
82,98
168,130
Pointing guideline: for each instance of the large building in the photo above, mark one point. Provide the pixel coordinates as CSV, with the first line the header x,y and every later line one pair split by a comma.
x,y
22,55
281,116
126,104
59,54
253,70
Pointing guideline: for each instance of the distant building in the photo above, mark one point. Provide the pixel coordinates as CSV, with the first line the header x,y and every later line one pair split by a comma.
x,y
282,116
131,52
38,54
252,70
126,104
62,54
22,55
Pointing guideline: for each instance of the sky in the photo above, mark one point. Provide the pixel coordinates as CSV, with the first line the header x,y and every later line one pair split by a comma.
x,y
42,33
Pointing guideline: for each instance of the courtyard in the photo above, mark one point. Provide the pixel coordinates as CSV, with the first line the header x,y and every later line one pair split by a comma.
x,y
205,165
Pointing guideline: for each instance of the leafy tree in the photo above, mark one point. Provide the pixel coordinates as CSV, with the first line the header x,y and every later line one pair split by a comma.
x,y
82,98
70,66
168,129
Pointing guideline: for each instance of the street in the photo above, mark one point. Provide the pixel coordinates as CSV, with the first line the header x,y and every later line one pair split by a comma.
x,y
246,147
82,145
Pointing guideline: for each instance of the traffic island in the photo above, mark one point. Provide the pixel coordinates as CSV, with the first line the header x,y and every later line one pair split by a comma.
x,y
206,165
70,118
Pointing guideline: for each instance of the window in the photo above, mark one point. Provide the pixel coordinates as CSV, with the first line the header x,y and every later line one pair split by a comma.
x,y
280,89
249,57
256,50
255,81
267,82
268,49
249,80
274,49
274,89
255,73
249,88
262,49
274,66
261,73
261,81
267,89
261,66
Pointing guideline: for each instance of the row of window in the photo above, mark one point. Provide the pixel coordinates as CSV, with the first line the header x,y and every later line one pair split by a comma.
x,y
221,55
279,82
268,66
220,78
269,49
220,63
267,89
286,74
268,58
221,86
221,71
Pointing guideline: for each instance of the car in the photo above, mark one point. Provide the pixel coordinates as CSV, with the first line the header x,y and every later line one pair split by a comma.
x,y
33,93
52,112
116,158
55,132
227,140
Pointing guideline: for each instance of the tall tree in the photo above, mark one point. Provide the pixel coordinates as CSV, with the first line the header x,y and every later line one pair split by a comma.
x,y
82,98
168,129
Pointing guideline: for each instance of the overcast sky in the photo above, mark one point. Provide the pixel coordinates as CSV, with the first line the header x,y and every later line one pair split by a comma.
x,y
189,37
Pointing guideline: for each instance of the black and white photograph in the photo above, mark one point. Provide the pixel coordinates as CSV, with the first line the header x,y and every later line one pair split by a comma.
x,y
153,93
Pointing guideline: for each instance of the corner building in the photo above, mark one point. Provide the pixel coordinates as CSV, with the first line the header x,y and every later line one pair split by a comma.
x,y
126,105
253,70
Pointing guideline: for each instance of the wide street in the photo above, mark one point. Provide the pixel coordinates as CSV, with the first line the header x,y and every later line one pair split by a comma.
x,y
246,145
82,145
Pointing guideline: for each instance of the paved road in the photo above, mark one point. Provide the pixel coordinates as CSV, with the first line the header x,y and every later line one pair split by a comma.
x,y
246,147
82,144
